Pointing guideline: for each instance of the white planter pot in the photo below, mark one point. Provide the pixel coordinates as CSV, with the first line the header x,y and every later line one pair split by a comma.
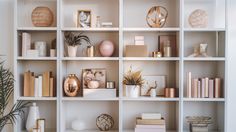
x,y
132,91
72,50
32,117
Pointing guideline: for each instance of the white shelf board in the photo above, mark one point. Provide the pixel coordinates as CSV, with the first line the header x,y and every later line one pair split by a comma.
x,y
149,29
152,58
204,99
112,29
68,130
204,29
37,98
150,99
36,58
89,58
208,131
37,28
47,130
204,59
133,131
88,99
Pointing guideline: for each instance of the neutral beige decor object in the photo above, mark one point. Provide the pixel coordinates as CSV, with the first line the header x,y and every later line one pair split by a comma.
x,y
42,17
198,19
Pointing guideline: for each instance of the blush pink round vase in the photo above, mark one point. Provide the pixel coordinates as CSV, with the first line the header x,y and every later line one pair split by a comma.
x,y
107,48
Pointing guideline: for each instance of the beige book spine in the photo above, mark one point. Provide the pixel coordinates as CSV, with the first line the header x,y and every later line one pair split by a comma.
x,y
217,88
46,84
195,88
26,88
32,81
140,121
189,85
51,87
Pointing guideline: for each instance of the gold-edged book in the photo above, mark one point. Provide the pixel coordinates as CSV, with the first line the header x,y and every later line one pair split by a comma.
x,y
140,121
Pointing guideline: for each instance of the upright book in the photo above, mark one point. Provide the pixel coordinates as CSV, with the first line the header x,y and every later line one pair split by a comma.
x,y
46,84
26,43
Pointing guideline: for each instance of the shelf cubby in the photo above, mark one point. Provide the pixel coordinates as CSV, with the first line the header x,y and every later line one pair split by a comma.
x,y
201,69
50,116
151,39
36,66
135,12
215,40
76,67
169,111
213,109
95,38
215,10
46,36
26,7
108,10
88,121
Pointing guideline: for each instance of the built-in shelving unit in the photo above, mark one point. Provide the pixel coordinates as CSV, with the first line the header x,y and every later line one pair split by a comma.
x,y
129,19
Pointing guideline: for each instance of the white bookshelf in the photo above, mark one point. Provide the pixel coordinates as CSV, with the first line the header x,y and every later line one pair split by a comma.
x,y
129,19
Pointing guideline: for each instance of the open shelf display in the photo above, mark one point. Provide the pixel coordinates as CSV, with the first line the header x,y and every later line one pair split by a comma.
x,y
95,38
213,109
168,110
25,8
128,18
50,115
88,121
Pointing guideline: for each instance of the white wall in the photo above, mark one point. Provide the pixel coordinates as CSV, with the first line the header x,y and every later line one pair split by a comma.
x,y
6,36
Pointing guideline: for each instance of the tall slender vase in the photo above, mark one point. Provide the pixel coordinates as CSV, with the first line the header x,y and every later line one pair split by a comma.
x,y
32,117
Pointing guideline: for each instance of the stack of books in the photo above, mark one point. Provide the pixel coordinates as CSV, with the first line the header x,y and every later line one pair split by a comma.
x,y
203,87
39,86
150,122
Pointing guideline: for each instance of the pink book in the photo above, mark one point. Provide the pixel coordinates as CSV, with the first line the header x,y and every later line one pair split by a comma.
x,y
211,88
194,88
199,89
149,130
206,87
151,126
202,88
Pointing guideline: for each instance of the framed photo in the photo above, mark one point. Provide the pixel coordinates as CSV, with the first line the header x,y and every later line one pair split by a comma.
x,y
153,81
84,18
94,74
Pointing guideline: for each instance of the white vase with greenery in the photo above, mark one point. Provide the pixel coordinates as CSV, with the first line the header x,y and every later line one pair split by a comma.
x,y
133,82
73,40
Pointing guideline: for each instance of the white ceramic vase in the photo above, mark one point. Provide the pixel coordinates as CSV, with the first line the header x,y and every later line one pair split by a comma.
x,y
132,91
78,125
72,50
32,117
41,46
153,92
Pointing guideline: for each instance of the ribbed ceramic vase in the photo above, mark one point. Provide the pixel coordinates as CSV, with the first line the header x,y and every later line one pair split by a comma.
x,y
132,91
32,117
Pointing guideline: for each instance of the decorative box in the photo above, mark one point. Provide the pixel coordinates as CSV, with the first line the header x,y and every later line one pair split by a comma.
x,y
136,51
99,93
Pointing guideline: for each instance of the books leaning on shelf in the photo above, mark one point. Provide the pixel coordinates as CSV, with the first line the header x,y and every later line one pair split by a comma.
x,y
39,86
203,87
150,122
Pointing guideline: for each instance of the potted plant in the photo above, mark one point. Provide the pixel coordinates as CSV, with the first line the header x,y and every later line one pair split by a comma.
x,y
133,82
73,41
6,90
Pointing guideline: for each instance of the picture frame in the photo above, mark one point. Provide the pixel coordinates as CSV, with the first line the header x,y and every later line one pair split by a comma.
x,y
84,19
149,81
98,74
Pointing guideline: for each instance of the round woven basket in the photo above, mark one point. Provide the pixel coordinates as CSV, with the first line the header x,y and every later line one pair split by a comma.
x,y
42,17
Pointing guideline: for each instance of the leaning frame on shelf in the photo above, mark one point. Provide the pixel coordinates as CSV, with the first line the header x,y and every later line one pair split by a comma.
x,y
177,108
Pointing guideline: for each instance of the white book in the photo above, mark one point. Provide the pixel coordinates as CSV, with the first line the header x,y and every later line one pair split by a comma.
x,y
199,89
202,88
26,43
136,38
40,89
36,87
139,42
151,116
206,87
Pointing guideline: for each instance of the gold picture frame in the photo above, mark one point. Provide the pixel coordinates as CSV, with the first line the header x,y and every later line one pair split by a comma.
x,y
84,19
